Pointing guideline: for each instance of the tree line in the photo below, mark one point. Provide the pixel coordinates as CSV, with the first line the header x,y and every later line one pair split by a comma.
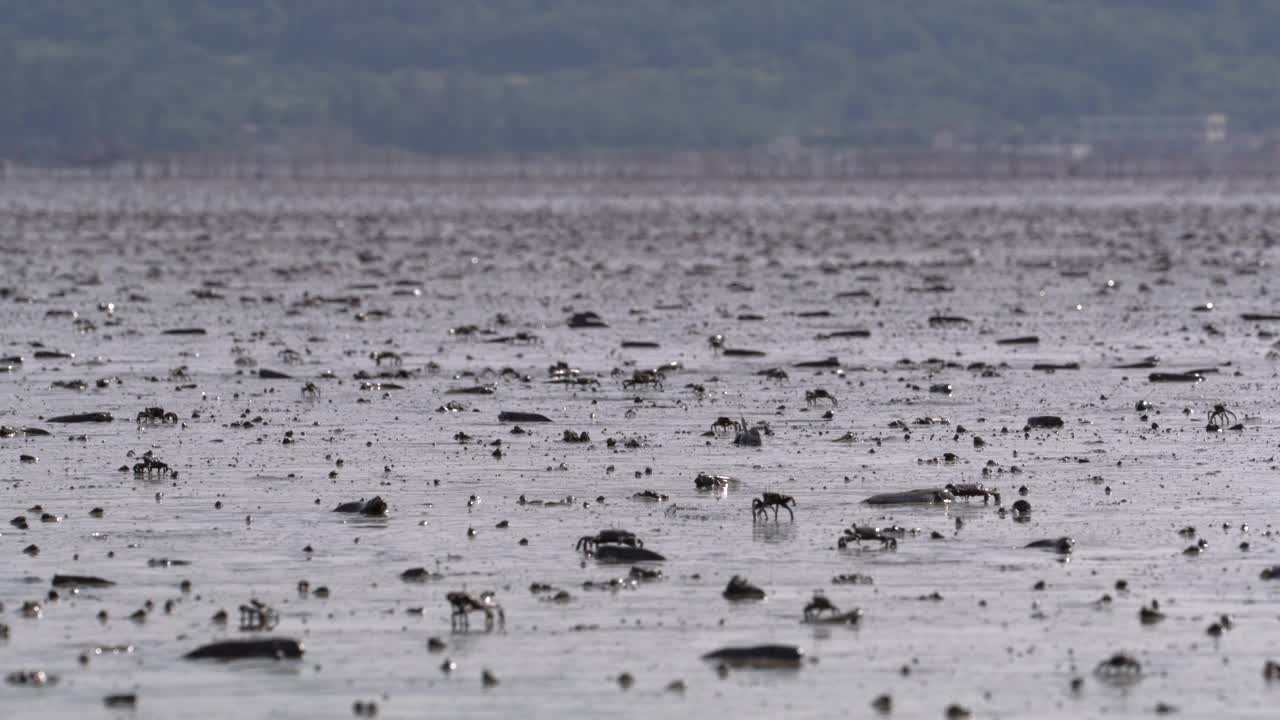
x,y
85,78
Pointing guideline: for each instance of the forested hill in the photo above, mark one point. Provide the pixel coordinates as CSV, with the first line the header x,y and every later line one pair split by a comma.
x,y
136,76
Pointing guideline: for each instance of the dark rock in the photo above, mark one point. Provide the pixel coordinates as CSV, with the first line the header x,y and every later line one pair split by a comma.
x,y
376,507
476,390
1187,377
419,574
1054,367
94,417
625,554
921,496
740,588
30,678
758,656
587,320
1062,545
80,581
829,362
121,701
1140,365
271,648
527,417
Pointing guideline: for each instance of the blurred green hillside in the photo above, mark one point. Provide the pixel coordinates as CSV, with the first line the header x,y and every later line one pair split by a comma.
x,y
85,77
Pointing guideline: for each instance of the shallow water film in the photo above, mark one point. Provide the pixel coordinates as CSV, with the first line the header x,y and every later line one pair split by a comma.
x,y
198,376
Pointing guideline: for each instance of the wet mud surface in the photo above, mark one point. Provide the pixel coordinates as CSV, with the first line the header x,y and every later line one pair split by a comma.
x,y
256,315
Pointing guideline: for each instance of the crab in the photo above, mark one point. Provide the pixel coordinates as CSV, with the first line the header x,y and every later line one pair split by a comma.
x,y
716,342
310,391
650,495
972,490
587,543
464,604
1119,667
813,613
858,533
392,358
817,606
150,465
1220,417
562,369
524,337
156,415
774,373
811,397
256,615
705,481
643,377
760,506
726,423
290,357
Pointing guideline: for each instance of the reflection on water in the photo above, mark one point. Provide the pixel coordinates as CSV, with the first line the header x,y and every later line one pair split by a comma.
x,y
770,531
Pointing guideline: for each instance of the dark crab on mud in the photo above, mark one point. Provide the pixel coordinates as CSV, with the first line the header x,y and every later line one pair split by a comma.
x,y
858,533
774,373
650,496
464,604
149,465
386,356
587,543
818,605
1119,668
813,397
760,506
256,615
157,415
1220,418
813,612
644,377
725,424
